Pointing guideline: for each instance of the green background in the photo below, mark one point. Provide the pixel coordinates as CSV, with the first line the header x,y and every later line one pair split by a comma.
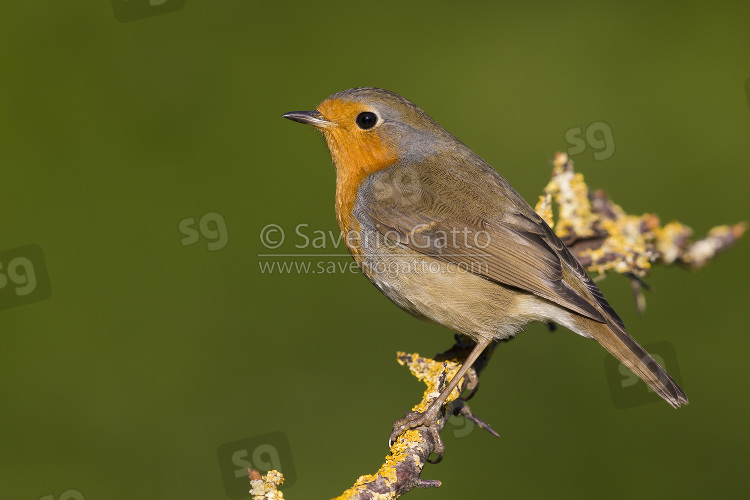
x,y
149,354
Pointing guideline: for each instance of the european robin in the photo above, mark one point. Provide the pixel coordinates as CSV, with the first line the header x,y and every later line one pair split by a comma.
x,y
446,238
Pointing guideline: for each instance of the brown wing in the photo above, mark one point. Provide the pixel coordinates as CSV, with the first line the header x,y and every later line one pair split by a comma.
x,y
471,217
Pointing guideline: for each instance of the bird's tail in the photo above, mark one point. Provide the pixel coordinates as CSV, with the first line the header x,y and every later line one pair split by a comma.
x,y
624,347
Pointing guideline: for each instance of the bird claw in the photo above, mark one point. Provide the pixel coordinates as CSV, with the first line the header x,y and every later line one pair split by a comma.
x,y
414,419
471,383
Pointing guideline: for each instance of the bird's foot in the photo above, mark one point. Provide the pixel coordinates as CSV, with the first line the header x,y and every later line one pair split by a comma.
x,y
428,419
470,383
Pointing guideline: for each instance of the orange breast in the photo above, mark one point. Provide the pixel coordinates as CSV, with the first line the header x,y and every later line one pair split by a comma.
x,y
356,154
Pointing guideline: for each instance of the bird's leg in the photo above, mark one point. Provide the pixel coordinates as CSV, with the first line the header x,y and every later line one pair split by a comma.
x,y
429,417
460,350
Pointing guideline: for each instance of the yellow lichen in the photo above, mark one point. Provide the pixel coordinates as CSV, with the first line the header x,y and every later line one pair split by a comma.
x,y
266,487
669,240
544,209
571,195
428,371
625,239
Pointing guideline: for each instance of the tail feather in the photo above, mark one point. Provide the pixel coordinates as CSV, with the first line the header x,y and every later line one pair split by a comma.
x,y
624,347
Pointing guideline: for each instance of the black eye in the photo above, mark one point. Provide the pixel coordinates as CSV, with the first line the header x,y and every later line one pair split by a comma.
x,y
366,120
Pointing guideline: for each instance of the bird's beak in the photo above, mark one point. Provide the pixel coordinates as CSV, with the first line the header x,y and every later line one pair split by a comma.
x,y
313,118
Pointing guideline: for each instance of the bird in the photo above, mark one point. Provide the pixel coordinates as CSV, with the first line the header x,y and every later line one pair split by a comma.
x,y
446,238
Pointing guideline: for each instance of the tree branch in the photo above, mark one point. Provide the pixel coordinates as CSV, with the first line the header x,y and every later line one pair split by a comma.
x,y
605,238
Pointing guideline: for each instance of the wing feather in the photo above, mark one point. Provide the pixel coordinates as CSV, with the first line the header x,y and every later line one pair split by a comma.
x,y
507,242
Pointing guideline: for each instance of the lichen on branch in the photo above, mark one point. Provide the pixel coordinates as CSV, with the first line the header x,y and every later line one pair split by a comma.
x,y
605,238
266,487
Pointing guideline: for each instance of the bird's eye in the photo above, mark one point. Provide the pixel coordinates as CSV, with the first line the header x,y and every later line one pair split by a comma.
x,y
366,120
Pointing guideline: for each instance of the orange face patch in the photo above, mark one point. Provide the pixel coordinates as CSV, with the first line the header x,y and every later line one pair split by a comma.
x,y
356,153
